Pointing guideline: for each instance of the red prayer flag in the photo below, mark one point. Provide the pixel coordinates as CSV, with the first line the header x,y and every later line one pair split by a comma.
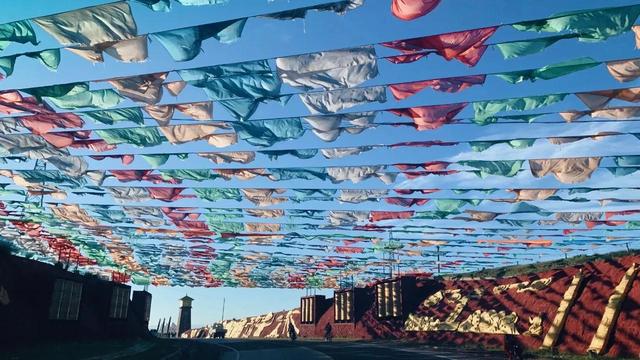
x,y
466,46
349,250
168,194
430,117
406,202
424,143
428,166
43,123
405,59
609,214
191,225
141,175
411,191
416,174
389,215
592,224
126,159
12,102
412,9
98,145
59,140
450,85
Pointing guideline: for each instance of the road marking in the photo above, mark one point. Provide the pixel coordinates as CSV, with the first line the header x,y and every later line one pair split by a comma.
x,y
131,351
318,354
273,353
237,353
439,355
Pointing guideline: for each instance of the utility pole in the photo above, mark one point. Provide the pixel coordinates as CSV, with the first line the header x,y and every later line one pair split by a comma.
x,y
39,165
391,254
438,255
42,195
223,301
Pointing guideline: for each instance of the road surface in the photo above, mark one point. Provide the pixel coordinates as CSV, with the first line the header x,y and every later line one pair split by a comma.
x,y
340,350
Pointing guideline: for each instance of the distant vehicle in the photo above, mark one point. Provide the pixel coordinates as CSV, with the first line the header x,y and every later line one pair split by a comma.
x,y
219,331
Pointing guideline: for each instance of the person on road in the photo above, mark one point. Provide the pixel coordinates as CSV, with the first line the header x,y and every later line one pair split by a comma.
x,y
512,348
328,332
292,332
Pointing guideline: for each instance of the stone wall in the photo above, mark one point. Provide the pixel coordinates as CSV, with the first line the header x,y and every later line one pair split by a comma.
x,y
270,325
484,311
26,288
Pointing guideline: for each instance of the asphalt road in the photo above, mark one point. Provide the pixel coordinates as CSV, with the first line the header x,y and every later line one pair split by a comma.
x,y
340,350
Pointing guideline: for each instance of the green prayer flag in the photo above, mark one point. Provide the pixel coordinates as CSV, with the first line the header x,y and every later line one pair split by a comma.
x,y
634,225
17,31
56,91
550,71
622,171
49,58
305,173
464,191
514,49
524,207
104,98
156,160
516,223
300,154
591,25
112,216
157,5
222,217
449,205
508,168
140,280
435,215
185,44
188,174
588,190
269,132
305,193
529,118
629,160
225,211
109,117
48,176
226,227
485,109
238,87
215,194
140,136
479,146
202,2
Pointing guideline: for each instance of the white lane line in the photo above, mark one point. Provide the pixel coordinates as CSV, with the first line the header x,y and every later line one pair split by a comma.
x,y
274,353
316,354
417,351
237,353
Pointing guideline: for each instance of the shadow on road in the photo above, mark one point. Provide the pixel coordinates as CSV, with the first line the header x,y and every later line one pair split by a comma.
x,y
340,350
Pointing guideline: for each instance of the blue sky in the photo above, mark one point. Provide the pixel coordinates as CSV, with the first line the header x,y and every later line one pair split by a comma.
x,y
372,23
